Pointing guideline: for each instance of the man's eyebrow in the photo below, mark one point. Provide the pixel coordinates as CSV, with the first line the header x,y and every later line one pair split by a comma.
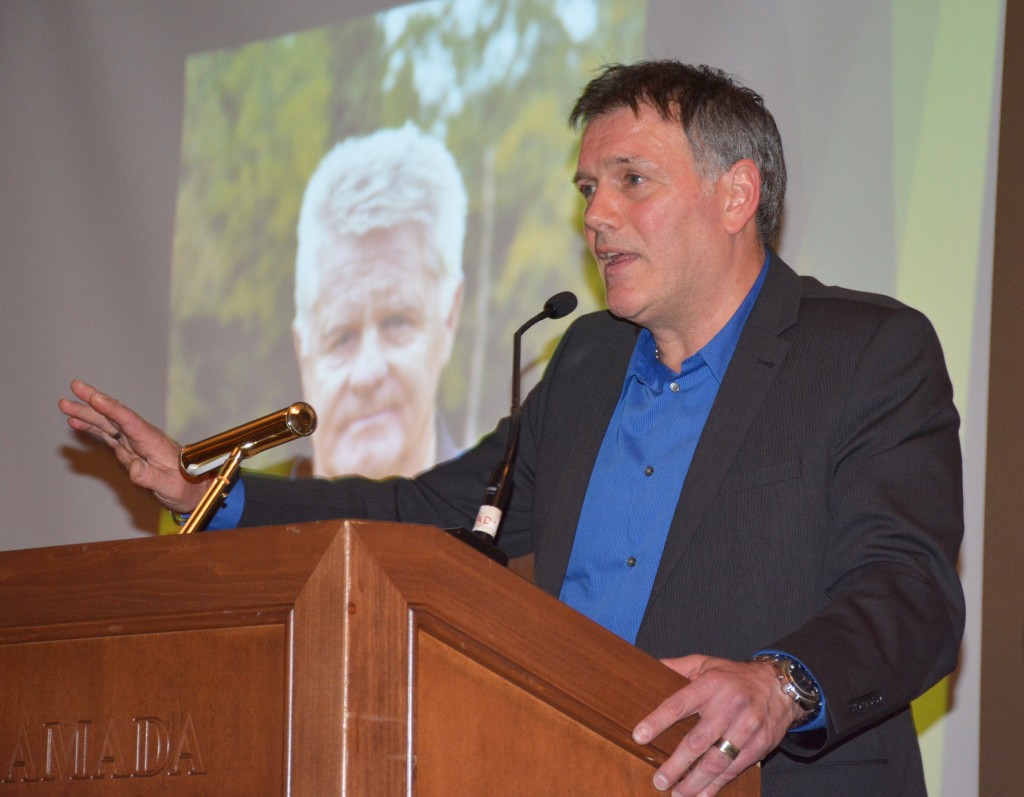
x,y
618,160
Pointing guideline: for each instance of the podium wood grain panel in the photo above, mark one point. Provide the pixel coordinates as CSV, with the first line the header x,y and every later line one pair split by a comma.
x,y
479,734
334,658
126,714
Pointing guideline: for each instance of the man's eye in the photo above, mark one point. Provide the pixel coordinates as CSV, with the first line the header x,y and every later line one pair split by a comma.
x,y
634,179
586,190
395,322
399,328
341,339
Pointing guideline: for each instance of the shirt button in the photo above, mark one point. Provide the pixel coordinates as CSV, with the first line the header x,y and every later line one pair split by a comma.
x,y
648,470
674,387
631,562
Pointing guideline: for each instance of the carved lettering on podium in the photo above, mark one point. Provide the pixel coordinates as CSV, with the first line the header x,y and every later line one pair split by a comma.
x,y
56,751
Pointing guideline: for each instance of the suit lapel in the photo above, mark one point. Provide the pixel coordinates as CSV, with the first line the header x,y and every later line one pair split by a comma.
x,y
759,355
602,379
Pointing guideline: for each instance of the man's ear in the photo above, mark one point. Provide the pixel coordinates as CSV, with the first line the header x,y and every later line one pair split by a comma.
x,y
298,341
742,184
451,321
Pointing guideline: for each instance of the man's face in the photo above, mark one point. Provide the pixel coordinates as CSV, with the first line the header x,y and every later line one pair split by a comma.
x,y
378,336
652,223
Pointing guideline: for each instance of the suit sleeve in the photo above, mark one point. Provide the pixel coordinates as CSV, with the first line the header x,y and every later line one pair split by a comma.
x,y
895,615
448,495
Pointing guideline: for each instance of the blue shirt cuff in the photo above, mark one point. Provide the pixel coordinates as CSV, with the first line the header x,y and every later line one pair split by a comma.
x,y
230,512
819,720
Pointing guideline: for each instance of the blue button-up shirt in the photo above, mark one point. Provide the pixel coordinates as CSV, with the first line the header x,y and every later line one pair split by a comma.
x,y
639,473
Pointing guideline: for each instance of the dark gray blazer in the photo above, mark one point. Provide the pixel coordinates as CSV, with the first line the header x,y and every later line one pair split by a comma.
x,y
821,515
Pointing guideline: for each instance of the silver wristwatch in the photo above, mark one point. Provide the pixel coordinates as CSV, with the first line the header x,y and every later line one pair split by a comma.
x,y
796,682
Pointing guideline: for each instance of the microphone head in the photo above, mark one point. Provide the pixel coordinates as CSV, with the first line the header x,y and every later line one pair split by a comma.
x,y
561,304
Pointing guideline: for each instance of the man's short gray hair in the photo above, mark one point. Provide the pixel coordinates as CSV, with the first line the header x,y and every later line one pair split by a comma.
x,y
386,180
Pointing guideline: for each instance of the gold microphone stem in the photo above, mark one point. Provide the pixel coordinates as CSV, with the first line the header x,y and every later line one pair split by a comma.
x,y
216,493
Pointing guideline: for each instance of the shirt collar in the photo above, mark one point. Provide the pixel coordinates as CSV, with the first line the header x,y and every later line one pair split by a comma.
x,y
715,354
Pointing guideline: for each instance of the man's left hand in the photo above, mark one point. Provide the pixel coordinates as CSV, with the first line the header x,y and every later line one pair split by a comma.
x,y
743,715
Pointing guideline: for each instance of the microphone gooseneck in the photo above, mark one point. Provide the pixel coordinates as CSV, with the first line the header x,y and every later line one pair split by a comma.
x,y
499,485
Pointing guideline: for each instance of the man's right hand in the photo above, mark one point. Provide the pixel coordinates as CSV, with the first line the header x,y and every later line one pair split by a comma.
x,y
147,453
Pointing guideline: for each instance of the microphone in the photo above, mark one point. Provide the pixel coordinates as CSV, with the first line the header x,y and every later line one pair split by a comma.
x,y
499,486
560,305
250,438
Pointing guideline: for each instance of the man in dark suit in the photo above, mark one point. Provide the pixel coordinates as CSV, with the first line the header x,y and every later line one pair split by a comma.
x,y
748,474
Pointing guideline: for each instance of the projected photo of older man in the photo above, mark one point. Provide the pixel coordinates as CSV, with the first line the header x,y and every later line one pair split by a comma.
x,y
378,291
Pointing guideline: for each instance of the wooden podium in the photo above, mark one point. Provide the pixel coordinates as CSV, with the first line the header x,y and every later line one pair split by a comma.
x,y
334,658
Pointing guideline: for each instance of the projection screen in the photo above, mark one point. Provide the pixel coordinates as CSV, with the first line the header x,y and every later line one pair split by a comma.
x,y
157,155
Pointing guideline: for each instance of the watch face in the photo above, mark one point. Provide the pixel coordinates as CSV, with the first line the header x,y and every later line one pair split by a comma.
x,y
802,680
795,679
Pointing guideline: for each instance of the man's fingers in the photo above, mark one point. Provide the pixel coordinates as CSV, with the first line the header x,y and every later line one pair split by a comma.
x,y
121,417
668,712
96,413
82,389
83,418
124,427
145,451
690,667
720,763
684,703
689,757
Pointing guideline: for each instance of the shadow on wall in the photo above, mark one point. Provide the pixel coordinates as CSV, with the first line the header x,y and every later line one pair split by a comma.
x,y
93,459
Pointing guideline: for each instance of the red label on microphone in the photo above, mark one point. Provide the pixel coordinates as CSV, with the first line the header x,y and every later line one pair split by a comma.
x,y
487,520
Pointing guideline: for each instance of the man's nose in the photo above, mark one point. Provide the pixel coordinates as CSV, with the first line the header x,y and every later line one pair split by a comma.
x,y
602,211
370,363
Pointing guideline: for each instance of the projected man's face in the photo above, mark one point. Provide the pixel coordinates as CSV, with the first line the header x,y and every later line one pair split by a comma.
x,y
371,350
